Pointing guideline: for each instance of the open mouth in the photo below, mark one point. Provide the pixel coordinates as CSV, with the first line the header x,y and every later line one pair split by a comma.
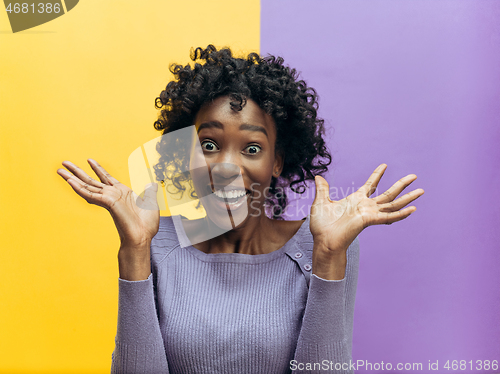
x,y
231,197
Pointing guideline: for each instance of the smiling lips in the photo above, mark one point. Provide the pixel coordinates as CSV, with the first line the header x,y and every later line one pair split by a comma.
x,y
230,197
230,194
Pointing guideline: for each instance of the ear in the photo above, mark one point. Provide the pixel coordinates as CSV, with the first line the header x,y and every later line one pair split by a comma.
x,y
279,162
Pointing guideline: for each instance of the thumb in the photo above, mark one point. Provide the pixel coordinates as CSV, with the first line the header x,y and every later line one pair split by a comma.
x,y
322,190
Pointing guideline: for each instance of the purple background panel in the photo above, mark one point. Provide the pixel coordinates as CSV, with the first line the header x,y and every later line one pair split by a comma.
x,y
415,85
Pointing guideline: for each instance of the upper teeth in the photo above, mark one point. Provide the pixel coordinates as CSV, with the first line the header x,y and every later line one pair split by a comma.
x,y
230,194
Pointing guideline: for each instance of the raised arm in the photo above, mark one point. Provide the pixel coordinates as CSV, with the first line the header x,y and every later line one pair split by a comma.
x,y
138,344
325,340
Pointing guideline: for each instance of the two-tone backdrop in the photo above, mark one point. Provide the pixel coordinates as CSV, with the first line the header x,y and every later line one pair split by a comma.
x,y
414,84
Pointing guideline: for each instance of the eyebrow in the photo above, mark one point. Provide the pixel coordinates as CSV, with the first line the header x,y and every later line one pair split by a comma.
x,y
207,125
244,126
248,127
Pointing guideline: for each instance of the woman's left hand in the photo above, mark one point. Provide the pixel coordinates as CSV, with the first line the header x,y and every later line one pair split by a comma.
x,y
335,224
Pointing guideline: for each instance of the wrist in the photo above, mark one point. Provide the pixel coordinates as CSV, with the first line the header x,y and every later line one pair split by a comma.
x,y
134,262
328,264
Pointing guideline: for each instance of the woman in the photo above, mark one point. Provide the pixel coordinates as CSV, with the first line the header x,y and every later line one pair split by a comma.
x,y
262,295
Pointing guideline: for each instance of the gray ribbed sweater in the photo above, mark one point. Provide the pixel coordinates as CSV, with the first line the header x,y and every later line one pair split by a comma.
x,y
234,313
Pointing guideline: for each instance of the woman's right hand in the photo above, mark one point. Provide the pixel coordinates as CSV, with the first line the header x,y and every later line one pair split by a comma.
x,y
137,220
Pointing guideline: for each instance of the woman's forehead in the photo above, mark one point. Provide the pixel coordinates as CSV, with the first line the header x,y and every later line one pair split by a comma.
x,y
220,110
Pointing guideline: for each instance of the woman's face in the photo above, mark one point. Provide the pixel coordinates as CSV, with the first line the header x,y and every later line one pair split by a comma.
x,y
238,148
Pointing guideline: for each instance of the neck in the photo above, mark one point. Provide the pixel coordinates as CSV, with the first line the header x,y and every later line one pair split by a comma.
x,y
247,238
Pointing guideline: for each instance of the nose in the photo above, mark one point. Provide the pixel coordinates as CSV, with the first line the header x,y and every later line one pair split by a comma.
x,y
224,173
225,164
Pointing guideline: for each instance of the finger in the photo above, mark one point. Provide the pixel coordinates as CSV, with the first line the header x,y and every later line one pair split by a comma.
x,y
389,218
322,190
81,174
395,189
401,202
77,181
371,184
103,175
85,191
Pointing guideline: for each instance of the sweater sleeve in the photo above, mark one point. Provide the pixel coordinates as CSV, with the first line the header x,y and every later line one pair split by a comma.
x,y
325,340
139,344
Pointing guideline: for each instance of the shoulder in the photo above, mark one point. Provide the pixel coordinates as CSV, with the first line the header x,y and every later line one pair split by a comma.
x,y
300,249
165,240
166,227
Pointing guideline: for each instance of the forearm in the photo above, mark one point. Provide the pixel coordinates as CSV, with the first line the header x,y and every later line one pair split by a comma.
x,y
324,337
326,332
134,261
328,264
139,346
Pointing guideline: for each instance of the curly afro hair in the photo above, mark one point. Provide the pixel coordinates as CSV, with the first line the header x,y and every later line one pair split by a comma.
x,y
274,87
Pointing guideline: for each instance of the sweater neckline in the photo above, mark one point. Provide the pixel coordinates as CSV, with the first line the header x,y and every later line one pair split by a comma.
x,y
236,257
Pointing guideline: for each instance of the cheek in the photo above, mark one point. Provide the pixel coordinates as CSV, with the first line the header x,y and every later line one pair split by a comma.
x,y
198,171
198,166
260,175
197,158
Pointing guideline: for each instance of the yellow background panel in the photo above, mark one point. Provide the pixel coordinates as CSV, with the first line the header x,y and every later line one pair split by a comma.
x,y
82,86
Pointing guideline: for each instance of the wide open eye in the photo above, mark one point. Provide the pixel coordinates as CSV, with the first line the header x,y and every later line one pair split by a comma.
x,y
209,146
253,149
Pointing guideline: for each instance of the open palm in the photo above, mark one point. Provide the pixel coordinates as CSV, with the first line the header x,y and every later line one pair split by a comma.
x,y
136,219
335,224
